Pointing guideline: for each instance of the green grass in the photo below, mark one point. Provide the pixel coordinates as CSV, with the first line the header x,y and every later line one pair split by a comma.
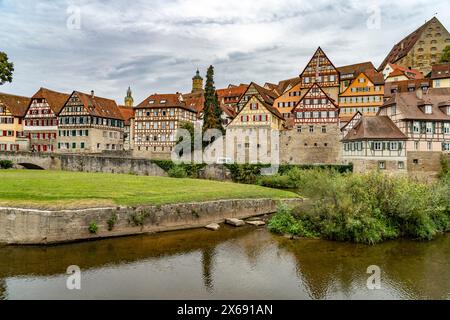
x,y
61,189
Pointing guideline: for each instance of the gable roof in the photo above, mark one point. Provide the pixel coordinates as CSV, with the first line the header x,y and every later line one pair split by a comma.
x,y
98,106
351,118
56,100
440,71
315,85
269,107
194,101
356,68
17,105
127,114
319,50
283,85
409,73
232,91
375,127
374,76
402,48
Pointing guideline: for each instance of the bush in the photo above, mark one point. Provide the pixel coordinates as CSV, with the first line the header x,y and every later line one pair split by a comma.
x,y
6,164
177,172
369,208
93,228
112,221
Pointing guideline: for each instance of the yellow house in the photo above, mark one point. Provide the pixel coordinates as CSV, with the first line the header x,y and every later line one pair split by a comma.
x,y
364,94
12,111
288,99
253,134
440,75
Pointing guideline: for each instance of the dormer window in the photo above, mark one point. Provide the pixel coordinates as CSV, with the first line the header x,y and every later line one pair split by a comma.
x,y
163,101
448,110
428,109
151,102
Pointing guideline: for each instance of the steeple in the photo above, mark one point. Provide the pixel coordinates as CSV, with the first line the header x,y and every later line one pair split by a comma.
x,y
197,83
129,101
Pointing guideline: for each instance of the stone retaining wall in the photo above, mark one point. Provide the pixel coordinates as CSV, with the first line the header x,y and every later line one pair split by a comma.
x,y
28,226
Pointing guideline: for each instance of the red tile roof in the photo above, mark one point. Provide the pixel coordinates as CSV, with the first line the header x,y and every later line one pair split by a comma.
x,y
375,127
409,73
17,105
99,107
127,114
236,91
56,100
404,85
355,69
171,100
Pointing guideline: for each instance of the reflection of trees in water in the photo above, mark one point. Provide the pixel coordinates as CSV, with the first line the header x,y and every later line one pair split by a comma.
x,y
208,268
2,289
414,269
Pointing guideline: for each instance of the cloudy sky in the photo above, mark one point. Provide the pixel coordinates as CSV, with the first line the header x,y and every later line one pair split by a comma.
x,y
156,45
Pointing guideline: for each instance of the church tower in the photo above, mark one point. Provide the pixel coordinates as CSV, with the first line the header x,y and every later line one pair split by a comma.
x,y
197,83
129,101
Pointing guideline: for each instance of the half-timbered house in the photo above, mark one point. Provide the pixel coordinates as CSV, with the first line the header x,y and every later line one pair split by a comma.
x,y
41,119
90,124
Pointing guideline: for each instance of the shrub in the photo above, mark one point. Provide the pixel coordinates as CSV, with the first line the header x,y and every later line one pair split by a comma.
x,y
369,208
177,172
93,228
6,164
112,221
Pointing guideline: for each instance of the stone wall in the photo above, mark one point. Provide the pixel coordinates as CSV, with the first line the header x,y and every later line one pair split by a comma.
x,y
367,165
424,165
311,148
27,226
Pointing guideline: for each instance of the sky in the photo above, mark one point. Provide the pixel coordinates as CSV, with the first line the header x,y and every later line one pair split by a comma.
x,y
155,46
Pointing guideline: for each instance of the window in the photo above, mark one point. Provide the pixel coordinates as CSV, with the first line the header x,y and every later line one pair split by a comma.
x,y
428,109
401,165
377,146
82,145
393,145
437,83
299,129
445,146
324,129
163,101
416,161
311,129
430,127
74,145
416,145
446,128
416,127
429,145
381,165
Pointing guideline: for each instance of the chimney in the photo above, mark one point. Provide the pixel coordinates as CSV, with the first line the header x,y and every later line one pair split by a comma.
x,y
92,94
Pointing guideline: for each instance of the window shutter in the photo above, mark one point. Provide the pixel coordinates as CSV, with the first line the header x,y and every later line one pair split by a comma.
x,y
242,118
388,146
371,145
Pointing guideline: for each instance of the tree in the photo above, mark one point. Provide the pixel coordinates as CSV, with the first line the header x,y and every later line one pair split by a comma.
x,y
211,110
6,69
446,54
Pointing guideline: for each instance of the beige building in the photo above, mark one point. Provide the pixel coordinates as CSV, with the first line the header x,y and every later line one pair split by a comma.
x,y
421,49
157,120
252,136
90,124
12,112
375,142
424,117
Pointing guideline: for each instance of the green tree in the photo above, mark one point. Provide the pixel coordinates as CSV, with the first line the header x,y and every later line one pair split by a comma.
x,y
211,110
6,69
446,54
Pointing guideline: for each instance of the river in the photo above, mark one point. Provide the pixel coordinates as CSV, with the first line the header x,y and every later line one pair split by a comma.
x,y
233,263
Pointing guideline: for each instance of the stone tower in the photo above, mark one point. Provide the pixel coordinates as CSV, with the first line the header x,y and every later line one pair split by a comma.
x,y
129,101
197,83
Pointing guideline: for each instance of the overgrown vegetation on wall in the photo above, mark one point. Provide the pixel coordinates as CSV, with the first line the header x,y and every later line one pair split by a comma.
x,y
363,208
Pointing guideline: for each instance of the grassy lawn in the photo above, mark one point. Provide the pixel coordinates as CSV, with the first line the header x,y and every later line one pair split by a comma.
x,y
61,189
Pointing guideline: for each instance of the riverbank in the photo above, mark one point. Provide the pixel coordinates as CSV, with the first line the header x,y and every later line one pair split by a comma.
x,y
33,226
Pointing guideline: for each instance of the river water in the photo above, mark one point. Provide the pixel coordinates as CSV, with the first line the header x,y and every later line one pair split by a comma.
x,y
233,263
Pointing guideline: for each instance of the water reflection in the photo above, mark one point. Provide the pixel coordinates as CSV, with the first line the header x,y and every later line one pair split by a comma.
x,y
242,263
